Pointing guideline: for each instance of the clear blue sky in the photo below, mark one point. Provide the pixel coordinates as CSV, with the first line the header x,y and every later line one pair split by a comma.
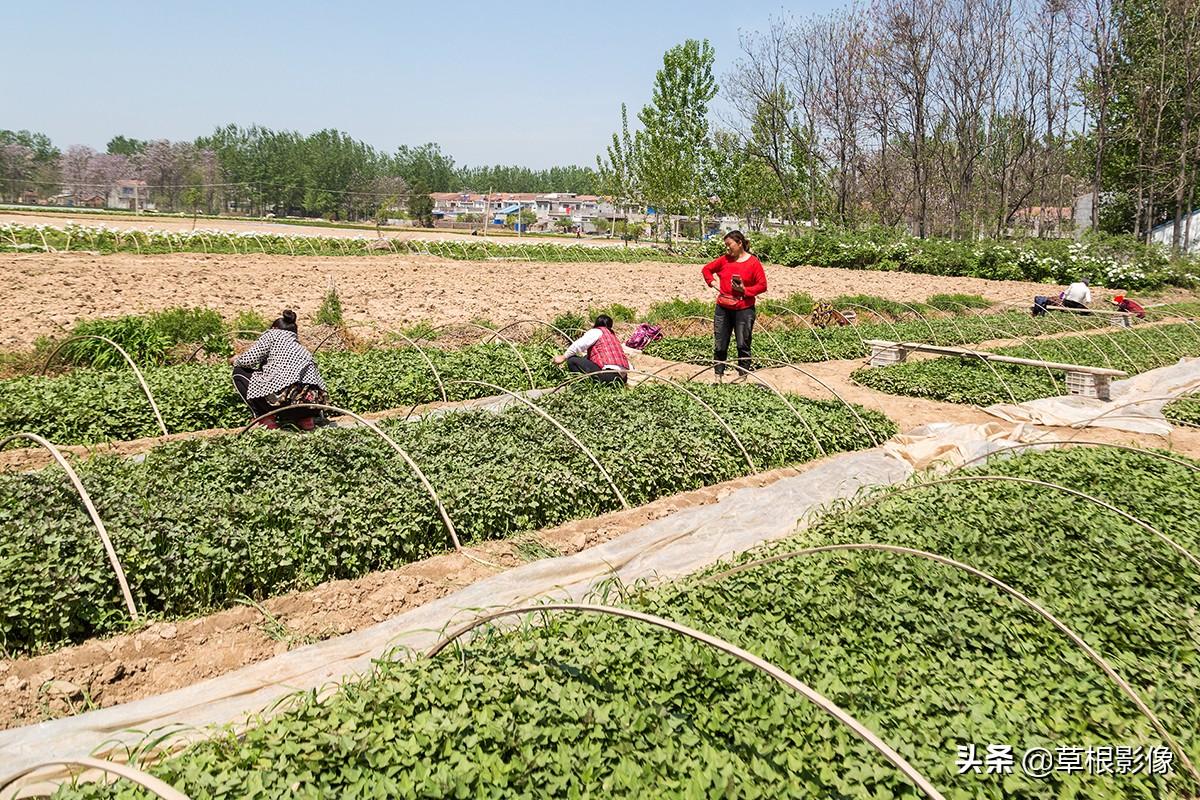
x,y
528,83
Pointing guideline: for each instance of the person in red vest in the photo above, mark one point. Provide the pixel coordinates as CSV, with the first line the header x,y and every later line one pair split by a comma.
x,y
737,277
1123,303
598,354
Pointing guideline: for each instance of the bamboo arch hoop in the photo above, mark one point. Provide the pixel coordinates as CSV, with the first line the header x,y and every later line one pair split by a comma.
x,y
774,362
571,381
1107,412
492,332
155,786
1022,598
967,344
850,406
1141,450
91,511
136,372
732,435
763,666
879,315
437,501
437,376
1082,327
543,323
908,487
759,380
920,316
541,412
807,323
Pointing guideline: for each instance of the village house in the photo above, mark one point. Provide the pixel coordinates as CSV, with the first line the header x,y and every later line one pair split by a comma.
x,y
131,195
585,210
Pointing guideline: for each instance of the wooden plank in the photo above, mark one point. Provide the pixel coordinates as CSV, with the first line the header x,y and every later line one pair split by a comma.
x,y
997,357
1101,311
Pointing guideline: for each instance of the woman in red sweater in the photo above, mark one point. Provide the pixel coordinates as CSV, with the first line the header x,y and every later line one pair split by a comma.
x,y
737,278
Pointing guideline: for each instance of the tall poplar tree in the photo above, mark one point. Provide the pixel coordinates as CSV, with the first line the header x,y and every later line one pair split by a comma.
x,y
673,147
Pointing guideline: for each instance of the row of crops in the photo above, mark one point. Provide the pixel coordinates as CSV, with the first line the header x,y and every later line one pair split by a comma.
x,y
15,237
806,344
1184,411
87,406
931,658
198,524
972,381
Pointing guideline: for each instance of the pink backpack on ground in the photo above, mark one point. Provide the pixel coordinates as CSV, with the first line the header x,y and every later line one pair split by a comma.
x,y
644,335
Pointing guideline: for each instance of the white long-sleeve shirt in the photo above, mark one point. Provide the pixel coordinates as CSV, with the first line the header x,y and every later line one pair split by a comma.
x,y
1079,293
580,346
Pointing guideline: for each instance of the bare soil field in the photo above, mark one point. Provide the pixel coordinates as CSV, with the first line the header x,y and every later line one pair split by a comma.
x,y
46,293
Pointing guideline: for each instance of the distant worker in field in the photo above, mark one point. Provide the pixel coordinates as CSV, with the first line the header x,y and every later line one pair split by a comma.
x,y
597,354
1043,302
1128,306
824,314
278,371
1078,296
737,277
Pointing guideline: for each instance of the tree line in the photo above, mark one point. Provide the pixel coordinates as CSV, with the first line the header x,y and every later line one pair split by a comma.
x,y
255,169
956,118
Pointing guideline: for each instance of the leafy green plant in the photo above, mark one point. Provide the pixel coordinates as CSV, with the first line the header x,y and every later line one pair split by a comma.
x,y
957,303
571,323
678,309
188,325
925,655
200,396
798,303
421,331
200,523
138,336
330,311
619,313
967,380
1185,411
250,320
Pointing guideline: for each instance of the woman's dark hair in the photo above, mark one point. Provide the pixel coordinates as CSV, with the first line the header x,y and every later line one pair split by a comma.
x,y
603,321
286,321
738,237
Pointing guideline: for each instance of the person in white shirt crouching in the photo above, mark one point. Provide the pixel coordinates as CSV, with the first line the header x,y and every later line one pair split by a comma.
x,y
1078,295
598,354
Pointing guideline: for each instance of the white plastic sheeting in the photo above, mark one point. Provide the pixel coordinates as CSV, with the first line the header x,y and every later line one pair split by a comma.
x,y
1136,404
667,548
670,547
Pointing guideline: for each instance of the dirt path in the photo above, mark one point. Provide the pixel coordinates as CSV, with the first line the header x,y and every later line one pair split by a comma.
x,y
47,293
167,655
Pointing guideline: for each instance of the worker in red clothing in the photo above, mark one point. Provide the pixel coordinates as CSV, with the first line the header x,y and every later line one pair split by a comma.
x,y
597,354
737,278
1123,303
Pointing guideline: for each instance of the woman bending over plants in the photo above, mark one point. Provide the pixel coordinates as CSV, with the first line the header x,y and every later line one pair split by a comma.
x,y
597,354
276,372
